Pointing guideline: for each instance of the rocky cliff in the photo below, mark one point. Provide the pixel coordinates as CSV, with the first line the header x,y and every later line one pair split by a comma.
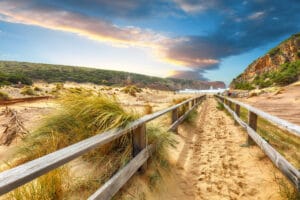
x,y
286,52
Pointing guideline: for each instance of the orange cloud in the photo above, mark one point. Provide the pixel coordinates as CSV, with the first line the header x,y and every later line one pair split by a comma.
x,y
96,29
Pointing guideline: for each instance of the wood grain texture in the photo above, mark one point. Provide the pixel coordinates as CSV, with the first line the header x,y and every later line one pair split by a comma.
x,y
111,187
139,142
292,128
25,173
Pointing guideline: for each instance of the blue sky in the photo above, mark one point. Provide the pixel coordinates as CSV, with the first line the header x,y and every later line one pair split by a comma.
x,y
194,39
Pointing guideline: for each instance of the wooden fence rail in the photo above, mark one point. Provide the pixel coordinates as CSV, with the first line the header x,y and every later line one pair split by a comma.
x,y
21,100
282,164
15,177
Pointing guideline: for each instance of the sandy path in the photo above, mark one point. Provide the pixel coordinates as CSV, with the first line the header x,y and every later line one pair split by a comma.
x,y
212,165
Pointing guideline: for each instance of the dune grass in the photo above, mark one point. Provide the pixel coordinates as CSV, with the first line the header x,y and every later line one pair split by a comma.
x,y
27,90
82,115
284,142
182,109
4,96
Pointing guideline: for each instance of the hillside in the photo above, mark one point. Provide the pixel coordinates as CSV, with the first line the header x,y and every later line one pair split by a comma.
x,y
280,66
11,72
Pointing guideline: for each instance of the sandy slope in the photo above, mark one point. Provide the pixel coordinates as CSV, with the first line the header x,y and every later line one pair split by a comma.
x,y
210,164
287,100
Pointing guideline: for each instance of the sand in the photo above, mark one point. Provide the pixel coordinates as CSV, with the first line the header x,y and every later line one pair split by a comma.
x,y
287,99
211,164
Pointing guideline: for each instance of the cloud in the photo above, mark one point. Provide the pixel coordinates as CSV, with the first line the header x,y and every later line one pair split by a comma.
x,y
233,37
256,15
236,31
189,74
97,29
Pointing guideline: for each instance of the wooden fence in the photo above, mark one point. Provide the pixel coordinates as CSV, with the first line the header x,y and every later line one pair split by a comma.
x,y
283,165
15,177
21,100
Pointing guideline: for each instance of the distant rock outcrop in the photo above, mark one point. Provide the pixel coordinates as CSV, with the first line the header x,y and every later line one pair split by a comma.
x,y
286,52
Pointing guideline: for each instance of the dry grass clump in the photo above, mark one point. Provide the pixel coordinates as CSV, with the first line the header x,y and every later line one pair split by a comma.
x,y
148,109
182,109
37,89
81,116
4,96
132,90
284,142
162,140
286,190
48,187
27,90
191,117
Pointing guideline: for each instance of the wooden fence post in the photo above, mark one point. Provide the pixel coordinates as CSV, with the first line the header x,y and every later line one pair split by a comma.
x,y
175,117
252,121
237,111
139,142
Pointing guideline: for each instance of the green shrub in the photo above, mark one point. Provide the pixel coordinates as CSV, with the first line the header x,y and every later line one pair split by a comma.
x,y
243,85
191,117
37,89
274,51
28,91
298,54
8,79
288,73
4,96
59,86
132,90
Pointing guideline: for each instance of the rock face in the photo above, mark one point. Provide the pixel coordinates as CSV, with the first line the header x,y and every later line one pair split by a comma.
x,y
287,51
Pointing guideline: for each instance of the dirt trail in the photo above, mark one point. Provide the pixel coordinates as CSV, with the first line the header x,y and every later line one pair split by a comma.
x,y
210,163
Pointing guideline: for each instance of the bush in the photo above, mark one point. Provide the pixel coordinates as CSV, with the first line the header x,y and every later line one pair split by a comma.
x,y
298,54
81,116
37,89
4,96
148,109
27,91
191,117
132,90
8,79
288,73
243,85
59,86
274,51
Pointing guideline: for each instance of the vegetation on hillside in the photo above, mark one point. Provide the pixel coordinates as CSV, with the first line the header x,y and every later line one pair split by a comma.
x,y
132,90
13,78
4,96
286,74
269,72
14,72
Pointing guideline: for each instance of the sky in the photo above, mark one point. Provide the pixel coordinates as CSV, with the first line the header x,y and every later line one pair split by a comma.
x,y
193,39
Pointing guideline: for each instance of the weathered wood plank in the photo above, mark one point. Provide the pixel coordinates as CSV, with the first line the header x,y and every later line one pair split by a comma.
x,y
279,161
178,121
252,122
139,142
111,187
292,128
174,119
22,174
237,111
